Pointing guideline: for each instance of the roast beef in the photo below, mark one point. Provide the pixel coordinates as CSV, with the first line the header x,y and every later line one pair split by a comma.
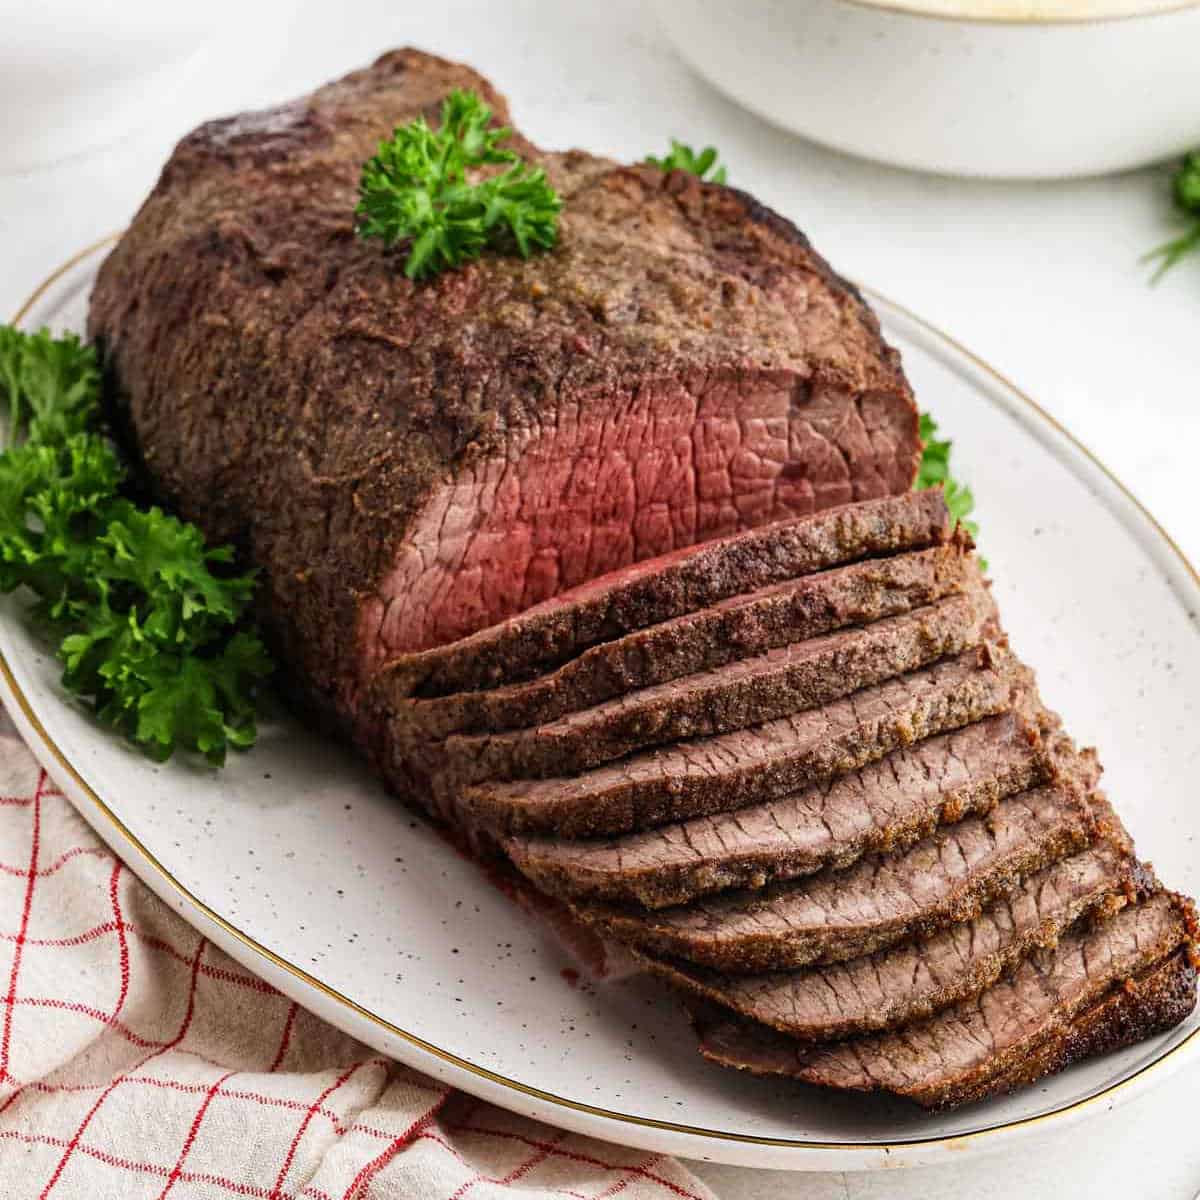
x,y
1015,1030
733,629
546,536
732,770
747,692
897,986
881,807
409,462
882,899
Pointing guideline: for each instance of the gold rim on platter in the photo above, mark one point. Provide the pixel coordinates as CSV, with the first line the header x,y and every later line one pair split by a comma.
x,y
190,899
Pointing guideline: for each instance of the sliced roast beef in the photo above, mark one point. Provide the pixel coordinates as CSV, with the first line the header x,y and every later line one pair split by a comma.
x,y
983,1044
722,633
661,589
895,987
732,770
734,696
881,807
410,462
881,900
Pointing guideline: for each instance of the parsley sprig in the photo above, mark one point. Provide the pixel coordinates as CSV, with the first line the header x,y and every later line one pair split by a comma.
x,y
683,158
935,469
416,190
148,620
1185,191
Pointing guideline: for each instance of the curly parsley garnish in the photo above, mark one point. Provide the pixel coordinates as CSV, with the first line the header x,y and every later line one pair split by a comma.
x,y
415,190
683,158
1185,191
148,620
935,469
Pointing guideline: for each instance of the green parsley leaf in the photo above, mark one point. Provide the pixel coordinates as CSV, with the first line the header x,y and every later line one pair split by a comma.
x,y
159,557
148,619
935,470
1185,192
683,158
150,695
53,502
416,191
50,384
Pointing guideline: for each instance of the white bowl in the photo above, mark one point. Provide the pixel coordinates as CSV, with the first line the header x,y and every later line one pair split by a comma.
x,y
1032,89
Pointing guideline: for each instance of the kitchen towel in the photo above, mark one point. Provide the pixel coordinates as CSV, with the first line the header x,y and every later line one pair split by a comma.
x,y
139,1060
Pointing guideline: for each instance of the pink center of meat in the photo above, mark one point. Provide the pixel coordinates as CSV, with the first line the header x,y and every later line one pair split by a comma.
x,y
666,468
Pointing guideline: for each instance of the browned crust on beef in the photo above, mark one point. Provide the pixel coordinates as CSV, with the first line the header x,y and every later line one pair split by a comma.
x,y
736,628
1143,984
291,391
651,592
739,694
833,916
894,987
735,769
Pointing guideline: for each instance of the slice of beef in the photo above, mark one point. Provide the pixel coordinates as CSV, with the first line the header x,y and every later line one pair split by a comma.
x,y
884,806
733,629
735,769
881,900
409,462
1012,1032
1149,1003
895,987
1146,1003
653,591
739,694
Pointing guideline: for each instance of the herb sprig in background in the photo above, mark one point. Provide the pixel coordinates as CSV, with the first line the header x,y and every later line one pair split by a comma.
x,y
1185,192
683,158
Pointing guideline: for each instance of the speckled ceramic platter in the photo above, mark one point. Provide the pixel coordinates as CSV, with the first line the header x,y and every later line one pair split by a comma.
x,y
296,862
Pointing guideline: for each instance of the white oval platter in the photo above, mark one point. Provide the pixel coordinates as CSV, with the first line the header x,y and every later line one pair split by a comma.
x,y
295,861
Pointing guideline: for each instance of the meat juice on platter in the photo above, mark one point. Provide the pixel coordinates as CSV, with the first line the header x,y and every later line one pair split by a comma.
x,y
609,558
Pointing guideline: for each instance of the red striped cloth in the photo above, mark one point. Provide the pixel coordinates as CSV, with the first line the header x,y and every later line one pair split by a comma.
x,y
138,1060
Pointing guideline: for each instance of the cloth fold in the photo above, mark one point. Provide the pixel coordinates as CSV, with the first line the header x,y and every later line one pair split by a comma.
x,y
138,1060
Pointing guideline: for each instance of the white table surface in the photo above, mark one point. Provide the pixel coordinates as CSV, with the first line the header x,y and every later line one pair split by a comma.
x,y
1042,280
